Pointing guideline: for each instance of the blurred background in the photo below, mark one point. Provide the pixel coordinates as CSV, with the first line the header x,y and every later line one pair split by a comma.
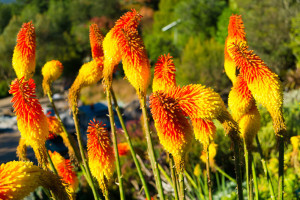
x,y
192,31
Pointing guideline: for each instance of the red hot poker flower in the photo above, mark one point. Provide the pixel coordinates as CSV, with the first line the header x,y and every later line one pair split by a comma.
x,y
123,148
236,33
173,128
65,170
111,43
24,53
32,122
100,153
164,74
264,84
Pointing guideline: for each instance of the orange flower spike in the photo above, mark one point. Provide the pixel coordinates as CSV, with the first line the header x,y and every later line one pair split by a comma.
x,y
100,153
111,43
164,73
204,131
240,99
264,84
123,148
51,71
90,73
96,39
65,170
197,101
173,128
18,179
249,125
32,122
236,33
24,53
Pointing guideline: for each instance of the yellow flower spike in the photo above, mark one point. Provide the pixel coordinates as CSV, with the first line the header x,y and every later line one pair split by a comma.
x,y
96,39
90,73
51,71
18,179
197,101
32,122
249,125
24,53
236,34
240,99
204,131
173,128
112,43
212,154
264,84
66,171
100,154
164,74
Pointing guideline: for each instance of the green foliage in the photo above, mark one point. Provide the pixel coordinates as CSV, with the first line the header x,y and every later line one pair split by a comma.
x,y
202,62
5,15
222,25
295,38
267,25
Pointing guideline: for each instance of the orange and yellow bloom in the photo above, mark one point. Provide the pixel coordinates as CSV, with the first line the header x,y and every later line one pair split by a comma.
x,y
123,42
100,153
65,170
32,122
24,53
264,84
18,179
236,34
164,74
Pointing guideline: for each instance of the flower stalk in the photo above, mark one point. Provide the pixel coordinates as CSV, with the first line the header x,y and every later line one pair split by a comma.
x,y
151,154
137,164
173,175
263,161
114,140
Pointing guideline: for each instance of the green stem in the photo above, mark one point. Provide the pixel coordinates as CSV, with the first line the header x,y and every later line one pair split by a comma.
x,y
164,173
263,161
114,140
87,169
181,186
70,138
218,180
51,164
133,154
225,174
151,149
248,172
255,181
188,176
209,184
173,175
238,169
280,170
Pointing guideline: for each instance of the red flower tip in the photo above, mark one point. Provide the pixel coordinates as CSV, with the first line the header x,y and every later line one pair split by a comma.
x,y
164,73
236,28
96,39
